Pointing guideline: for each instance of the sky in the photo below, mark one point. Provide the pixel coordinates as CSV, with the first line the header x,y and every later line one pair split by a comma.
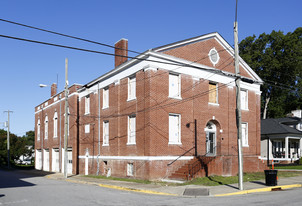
x,y
146,25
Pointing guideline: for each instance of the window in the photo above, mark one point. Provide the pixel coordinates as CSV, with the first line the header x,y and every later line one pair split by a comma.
x,y
214,56
174,129
130,171
131,88
105,98
38,130
213,94
87,104
105,133
245,140
87,128
131,129
174,86
244,99
55,125
46,128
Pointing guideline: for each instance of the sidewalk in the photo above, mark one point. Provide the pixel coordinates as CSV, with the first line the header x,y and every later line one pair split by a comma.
x,y
187,190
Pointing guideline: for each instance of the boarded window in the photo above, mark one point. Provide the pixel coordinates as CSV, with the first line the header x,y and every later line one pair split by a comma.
x,y
131,129
244,99
213,93
174,85
105,98
106,133
131,88
174,129
245,140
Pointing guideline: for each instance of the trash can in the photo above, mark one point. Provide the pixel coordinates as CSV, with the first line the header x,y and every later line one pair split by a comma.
x,y
271,177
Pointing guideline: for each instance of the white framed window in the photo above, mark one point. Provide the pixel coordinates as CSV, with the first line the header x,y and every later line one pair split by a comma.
x,y
38,130
174,86
87,104
214,56
131,88
105,97
131,130
87,128
213,93
245,138
105,133
130,170
55,125
46,128
174,129
244,99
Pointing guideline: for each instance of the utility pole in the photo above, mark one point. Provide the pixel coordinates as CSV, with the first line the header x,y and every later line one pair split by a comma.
x,y
66,119
8,149
238,105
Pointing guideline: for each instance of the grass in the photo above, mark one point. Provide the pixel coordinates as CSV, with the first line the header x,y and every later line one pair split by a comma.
x,y
288,167
247,177
207,181
120,179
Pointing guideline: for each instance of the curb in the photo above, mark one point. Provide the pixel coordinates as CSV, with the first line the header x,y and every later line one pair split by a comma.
x,y
116,187
267,189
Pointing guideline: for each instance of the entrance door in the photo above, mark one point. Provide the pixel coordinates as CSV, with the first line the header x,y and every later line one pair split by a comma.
x,y
211,144
210,139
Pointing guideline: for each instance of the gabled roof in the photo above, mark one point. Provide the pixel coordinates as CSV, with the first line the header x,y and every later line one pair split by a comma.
x,y
222,42
280,126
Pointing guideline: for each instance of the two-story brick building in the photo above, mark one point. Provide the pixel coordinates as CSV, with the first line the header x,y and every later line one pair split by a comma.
x,y
169,112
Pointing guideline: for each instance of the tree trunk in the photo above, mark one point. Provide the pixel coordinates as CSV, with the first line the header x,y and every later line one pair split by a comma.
x,y
267,99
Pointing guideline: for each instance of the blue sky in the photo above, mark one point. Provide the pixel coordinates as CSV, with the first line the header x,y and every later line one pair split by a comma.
x,y
146,24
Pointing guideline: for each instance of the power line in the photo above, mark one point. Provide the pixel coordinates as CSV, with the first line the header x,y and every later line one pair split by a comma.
x,y
99,52
65,35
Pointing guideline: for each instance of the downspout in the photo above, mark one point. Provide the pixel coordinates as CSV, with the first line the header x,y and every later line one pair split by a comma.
x,y
99,132
267,149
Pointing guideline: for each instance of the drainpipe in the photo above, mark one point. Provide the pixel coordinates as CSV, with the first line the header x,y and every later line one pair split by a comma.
x,y
99,132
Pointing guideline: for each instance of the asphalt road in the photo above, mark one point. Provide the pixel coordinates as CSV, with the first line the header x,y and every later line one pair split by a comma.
x,y
23,189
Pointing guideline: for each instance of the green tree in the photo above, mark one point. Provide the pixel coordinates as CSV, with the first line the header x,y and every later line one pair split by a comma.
x,y
18,146
277,59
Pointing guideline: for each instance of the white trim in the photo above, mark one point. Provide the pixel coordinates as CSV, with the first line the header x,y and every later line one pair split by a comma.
x,y
54,103
145,158
210,56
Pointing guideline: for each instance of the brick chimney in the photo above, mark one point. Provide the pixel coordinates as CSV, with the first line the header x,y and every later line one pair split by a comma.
x,y
122,44
53,89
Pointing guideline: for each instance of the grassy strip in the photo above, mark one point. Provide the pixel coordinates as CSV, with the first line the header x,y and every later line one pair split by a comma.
x,y
207,181
289,167
247,177
119,179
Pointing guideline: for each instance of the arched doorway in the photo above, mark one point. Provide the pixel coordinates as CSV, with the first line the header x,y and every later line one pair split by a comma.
x,y
210,139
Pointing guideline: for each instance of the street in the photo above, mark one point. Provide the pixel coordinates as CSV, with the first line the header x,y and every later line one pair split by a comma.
x,y
18,188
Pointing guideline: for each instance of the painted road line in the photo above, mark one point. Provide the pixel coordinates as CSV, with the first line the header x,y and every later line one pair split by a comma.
x,y
136,190
267,189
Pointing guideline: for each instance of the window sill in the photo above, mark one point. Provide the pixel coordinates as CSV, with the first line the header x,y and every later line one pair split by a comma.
x,y
131,143
105,145
128,100
245,110
87,113
213,104
179,98
105,107
175,143
245,145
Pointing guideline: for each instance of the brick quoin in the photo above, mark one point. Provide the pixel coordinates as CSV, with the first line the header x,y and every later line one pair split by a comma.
x,y
152,156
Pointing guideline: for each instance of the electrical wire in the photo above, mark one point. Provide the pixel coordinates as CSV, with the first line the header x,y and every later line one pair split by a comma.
x,y
65,35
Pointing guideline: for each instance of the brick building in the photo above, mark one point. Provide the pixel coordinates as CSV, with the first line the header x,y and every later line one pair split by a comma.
x,y
168,113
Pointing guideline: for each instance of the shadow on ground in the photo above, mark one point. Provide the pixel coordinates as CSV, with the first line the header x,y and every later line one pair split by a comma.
x,y
17,178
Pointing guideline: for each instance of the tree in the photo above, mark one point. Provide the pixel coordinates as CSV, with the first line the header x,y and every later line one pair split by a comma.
x,y
18,146
277,59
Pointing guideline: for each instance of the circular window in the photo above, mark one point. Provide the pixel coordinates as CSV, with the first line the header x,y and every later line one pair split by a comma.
x,y
214,56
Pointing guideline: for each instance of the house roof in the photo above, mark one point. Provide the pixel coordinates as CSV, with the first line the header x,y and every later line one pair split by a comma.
x,y
280,126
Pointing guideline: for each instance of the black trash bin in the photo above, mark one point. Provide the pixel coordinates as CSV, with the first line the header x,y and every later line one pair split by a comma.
x,y
271,177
